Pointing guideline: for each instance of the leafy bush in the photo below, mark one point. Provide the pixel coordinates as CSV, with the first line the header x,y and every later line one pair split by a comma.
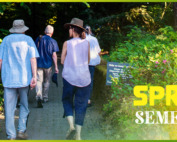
x,y
153,57
113,28
3,33
153,62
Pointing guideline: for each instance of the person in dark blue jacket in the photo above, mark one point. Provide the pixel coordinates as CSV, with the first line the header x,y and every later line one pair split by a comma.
x,y
47,48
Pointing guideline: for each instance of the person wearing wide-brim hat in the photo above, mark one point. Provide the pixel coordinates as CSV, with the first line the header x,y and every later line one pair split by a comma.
x,y
18,27
18,70
76,77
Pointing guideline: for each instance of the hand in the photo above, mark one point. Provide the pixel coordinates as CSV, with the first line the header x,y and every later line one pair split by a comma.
x,y
56,70
33,82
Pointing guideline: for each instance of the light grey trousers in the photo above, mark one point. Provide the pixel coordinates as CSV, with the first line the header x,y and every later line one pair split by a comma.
x,y
10,101
43,83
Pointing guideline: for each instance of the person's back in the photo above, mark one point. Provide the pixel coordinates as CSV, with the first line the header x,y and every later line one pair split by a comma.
x,y
94,50
46,49
18,55
94,56
76,63
16,60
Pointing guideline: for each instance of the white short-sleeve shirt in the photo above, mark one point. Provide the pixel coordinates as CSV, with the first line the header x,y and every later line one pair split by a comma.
x,y
94,50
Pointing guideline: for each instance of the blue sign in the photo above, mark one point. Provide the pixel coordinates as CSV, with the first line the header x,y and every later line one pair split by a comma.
x,y
115,70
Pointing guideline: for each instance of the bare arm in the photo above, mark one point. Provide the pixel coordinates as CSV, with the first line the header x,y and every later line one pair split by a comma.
x,y
0,64
54,57
103,53
34,72
64,51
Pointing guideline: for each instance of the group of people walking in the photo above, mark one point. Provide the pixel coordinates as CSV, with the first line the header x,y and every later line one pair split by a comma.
x,y
25,63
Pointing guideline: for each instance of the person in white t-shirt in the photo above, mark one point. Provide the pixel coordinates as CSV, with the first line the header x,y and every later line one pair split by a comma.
x,y
95,59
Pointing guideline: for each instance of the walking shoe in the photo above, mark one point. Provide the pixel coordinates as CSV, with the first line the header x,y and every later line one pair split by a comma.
x,y
22,136
45,100
39,103
90,104
70,135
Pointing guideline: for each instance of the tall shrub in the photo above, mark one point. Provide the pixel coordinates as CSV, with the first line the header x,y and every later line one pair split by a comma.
x,y
153,62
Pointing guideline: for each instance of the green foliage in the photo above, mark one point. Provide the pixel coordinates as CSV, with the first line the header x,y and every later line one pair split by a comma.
x,y
26,7
141,16
110,21
153,56
87,4
162,14
113,28
105,42
3,33
153,62
3,7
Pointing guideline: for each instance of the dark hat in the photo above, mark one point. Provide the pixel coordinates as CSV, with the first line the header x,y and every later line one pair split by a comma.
x,y
54,79
75,22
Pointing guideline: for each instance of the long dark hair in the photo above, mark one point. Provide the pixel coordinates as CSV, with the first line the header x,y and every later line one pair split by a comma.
x,y
79,31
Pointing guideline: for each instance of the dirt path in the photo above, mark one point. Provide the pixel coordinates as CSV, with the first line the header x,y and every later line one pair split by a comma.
x,y
48,123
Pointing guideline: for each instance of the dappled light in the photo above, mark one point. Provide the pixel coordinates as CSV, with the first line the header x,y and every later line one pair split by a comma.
x,y
140,39
2,117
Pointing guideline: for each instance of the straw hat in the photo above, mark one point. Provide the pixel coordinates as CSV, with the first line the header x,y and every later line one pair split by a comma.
x,y
18,26
75,22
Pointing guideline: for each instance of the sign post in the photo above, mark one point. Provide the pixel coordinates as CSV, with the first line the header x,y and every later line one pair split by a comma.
x,y
115,70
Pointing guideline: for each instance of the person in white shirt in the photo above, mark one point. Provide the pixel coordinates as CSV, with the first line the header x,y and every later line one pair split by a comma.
x,y
95,59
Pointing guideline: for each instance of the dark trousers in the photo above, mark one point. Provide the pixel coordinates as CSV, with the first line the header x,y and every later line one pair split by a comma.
x,y
77,97
92,71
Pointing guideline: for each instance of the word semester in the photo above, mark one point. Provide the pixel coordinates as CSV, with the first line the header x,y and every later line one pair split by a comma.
x,y
156,117
145,95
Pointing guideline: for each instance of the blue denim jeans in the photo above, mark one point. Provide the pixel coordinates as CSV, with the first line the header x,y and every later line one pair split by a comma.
x,y
10,101
75,99
92,71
